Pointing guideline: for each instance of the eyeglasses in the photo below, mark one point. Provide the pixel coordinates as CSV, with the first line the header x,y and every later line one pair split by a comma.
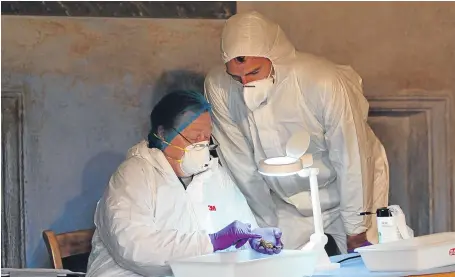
x,y
200,146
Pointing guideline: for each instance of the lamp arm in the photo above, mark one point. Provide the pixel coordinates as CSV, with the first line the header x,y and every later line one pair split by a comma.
x,y
315,202
319,239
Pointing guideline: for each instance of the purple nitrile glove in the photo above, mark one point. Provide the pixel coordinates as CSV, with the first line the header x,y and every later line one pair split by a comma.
x,y
366,243
270,234
237,233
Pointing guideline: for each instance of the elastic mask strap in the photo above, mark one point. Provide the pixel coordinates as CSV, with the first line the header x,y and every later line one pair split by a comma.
x,y
179,161
183,149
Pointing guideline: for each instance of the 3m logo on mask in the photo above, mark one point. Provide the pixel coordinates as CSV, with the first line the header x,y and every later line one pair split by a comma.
x,y
212,208
452,252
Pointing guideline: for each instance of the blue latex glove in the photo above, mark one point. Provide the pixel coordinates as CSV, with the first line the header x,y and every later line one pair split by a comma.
x,y
237,233
272,235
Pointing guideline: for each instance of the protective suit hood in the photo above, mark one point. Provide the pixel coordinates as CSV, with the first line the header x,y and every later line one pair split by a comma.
x,y
251,34
139,150
153,156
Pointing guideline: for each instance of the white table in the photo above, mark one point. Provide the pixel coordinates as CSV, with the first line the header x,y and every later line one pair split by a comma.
x,y
356,267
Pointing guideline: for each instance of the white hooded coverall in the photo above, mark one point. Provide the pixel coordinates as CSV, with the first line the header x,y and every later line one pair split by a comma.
x,y
312,94
146,217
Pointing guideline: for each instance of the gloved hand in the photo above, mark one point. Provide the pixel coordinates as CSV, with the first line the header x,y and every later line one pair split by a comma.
x,y
237,233
271,235
366,243
355,241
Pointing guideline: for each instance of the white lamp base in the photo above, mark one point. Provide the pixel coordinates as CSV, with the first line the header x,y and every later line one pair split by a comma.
x,y
317,243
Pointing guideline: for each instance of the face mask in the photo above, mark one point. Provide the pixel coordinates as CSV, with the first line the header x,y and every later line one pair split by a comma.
x,y
195,159
255,93
196,156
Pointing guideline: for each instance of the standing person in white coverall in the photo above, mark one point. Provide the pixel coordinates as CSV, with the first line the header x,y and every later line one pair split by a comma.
x,y
265,92
170,200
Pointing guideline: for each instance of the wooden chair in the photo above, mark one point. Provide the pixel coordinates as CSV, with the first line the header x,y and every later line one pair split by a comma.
x,y
64,247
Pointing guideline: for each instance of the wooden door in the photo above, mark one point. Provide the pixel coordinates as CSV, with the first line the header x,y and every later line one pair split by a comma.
x,y
12,189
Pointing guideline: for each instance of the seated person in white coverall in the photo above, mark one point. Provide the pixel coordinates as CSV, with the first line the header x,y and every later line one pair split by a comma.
x,y
264,93
171,200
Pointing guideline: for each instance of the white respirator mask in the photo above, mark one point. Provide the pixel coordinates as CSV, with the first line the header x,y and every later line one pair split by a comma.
x,y
256,92
196,156
195,159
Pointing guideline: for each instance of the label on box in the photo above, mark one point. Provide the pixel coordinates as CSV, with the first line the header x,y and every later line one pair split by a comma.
x,y
387,230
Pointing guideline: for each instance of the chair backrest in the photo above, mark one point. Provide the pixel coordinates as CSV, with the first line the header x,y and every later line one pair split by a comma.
x,y
65,245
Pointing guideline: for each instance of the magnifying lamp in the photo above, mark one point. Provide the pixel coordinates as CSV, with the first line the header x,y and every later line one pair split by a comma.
x,y
297,162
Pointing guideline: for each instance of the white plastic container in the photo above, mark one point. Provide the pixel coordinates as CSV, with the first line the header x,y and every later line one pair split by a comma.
x,y
418,253
247,263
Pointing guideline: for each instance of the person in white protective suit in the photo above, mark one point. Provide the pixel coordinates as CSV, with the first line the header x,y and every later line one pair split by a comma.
x,y
169,199
265,92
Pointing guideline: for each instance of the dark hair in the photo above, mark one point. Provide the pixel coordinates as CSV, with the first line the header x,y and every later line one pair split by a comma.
x,y
169,112
240,59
